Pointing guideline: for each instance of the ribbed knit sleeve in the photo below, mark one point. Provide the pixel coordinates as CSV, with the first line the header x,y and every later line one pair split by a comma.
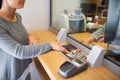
x,y
17,50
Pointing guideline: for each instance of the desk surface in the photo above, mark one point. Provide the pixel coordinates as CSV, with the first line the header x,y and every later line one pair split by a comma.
x,y
52,60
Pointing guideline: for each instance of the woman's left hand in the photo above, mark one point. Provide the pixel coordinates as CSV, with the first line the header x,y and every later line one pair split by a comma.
x,y
32,40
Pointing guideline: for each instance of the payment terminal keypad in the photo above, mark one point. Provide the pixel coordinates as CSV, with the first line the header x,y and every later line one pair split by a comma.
x,y
70,68
67,67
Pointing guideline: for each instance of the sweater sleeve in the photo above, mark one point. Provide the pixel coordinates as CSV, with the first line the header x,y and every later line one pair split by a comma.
x,y
19,51
99,32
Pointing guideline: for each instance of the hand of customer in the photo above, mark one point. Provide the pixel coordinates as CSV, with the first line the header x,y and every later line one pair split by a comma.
x,y
58,47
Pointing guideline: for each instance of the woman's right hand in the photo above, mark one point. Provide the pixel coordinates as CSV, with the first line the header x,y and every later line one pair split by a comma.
x,y
58,47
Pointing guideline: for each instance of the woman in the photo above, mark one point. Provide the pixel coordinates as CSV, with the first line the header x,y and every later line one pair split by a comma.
x,y
15,53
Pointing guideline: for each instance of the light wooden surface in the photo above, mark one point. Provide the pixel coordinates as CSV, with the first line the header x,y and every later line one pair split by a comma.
x,y
52,60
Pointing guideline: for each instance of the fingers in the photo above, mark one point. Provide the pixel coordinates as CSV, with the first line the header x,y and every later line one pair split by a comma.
x,y
78,51
64,50
58,47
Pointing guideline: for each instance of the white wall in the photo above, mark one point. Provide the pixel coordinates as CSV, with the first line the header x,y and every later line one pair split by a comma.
x,y
35,14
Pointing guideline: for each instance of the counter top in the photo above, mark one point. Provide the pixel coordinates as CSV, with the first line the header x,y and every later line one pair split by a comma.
x,y
53,59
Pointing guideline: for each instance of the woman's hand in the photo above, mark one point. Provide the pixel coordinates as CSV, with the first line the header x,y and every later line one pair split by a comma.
x,y
32,40
58,47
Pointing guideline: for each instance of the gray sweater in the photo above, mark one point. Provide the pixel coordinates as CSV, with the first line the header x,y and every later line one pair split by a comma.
x,y
15,53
